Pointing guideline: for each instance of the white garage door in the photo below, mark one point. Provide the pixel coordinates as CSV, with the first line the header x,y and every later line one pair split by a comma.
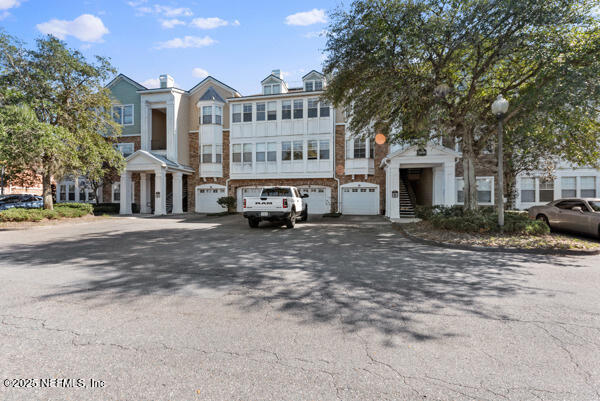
x,y
246,192
318,200
206,199
360,199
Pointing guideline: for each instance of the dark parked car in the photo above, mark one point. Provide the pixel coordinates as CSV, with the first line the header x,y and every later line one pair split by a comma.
x,y
579,215
25,201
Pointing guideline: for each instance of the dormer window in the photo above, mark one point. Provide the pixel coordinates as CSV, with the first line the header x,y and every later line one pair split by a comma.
x,y
272,89
207,115
310,86
212,115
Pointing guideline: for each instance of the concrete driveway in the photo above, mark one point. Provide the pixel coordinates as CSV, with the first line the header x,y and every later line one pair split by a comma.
x,y
209,309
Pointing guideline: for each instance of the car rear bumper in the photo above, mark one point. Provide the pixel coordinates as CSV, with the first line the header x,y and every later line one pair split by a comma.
x,y
269,216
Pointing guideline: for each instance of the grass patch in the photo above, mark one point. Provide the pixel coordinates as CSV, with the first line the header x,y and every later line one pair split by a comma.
x,y
332,215
63,210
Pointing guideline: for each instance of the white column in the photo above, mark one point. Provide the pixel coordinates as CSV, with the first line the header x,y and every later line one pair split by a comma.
x,y
145,125
125,193
449,184
171,131
144,193
160,194
77,190
392,185
177,193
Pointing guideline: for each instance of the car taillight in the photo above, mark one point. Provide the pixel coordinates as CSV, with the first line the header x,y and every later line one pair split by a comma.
x,y
244,203
284,203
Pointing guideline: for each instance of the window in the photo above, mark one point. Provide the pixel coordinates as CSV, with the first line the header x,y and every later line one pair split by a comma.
x,y
360,151
309,86
273,89
116,192
218,115
298,108
276,191
247,155
237,153
247,112
588,187
272,111
312,150
349,151
272,152
267,90
568,187
297,154
123,114
286,151
324,150
324,109
318,85
460,190
82,191
207,154
218,153
63,192
286,110
546,190
484,190
126,149
207,115
260,111
236,113
371,149
261,152
313,108
527,189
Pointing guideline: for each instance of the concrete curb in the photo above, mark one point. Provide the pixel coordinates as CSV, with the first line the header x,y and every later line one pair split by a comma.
x,y
557,252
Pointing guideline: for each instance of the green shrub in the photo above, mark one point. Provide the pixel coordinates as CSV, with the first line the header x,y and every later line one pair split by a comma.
x,y
228,202
60,210
484,221
106,208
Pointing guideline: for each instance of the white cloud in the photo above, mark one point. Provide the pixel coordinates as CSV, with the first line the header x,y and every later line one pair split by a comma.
x,y
8,4
168,11
200,73
151,83
210,23
236,23
86,28
186,41
313,16
136,3
171,23
315,34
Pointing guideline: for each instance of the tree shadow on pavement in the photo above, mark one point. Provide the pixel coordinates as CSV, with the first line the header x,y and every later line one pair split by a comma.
x,y
367,277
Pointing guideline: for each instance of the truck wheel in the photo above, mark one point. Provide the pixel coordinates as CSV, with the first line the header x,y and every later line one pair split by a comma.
x,y
253,223
304,215
291,221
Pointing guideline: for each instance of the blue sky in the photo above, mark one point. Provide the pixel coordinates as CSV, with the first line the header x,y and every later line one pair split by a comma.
x,y
238,42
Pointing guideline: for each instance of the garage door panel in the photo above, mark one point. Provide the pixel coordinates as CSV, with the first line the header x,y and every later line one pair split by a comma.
x,y
359,200
319,199
206,200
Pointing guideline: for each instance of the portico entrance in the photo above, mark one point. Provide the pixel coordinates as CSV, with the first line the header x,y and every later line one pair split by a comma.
x,y
419,176
161,188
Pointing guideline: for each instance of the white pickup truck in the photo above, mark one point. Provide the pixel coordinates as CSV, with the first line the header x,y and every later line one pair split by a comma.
x,y
280,204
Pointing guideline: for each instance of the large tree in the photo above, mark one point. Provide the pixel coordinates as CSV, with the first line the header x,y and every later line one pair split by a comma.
x,y
420,69
65,91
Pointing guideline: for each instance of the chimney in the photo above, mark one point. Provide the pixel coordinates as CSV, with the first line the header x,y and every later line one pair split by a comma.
x,y
277,73
166,81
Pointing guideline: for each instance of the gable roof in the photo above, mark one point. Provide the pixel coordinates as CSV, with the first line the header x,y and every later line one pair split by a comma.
x,y
211,94
271,76
217,82
430,146
127,79
320,74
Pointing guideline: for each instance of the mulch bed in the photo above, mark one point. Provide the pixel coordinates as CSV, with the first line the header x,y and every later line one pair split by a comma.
x,y
553,241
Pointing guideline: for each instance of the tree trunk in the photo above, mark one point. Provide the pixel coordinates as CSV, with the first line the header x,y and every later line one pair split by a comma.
x,y
470,183
47,191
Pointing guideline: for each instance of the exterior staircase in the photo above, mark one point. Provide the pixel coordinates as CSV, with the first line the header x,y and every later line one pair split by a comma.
x,y
407,202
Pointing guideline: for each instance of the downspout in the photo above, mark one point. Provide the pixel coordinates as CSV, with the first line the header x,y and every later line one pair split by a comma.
x,y
334,166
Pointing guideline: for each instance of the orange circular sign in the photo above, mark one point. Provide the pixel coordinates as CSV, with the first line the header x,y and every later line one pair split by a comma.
x,y
379,139
339,169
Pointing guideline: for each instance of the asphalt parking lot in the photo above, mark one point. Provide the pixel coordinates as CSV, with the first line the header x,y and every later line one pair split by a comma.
x,y
336,309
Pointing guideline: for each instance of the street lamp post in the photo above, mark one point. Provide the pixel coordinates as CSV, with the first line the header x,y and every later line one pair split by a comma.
x,y
499,109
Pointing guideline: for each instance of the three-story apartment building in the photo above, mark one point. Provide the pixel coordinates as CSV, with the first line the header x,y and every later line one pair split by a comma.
x,y
187,148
